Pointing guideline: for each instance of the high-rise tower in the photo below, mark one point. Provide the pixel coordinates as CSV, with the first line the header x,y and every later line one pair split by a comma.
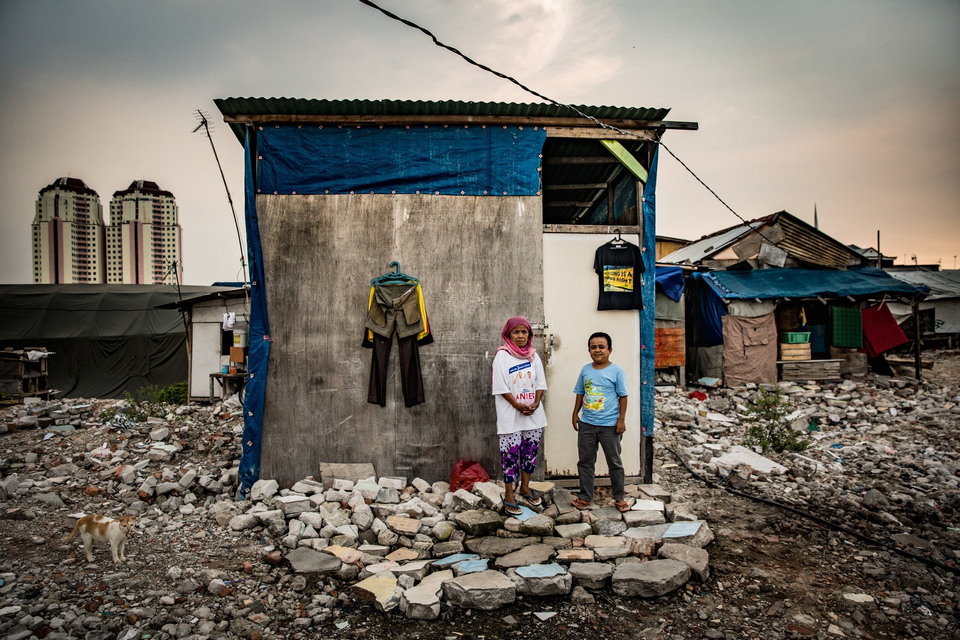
x,y
144,236
68,235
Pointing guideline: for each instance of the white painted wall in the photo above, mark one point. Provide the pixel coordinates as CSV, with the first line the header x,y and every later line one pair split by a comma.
x,y
206,326
570,310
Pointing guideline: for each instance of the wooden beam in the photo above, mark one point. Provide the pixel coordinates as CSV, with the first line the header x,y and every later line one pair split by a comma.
x,y
598,134
587,185
580,160
626,159
602,229
391,120
584,205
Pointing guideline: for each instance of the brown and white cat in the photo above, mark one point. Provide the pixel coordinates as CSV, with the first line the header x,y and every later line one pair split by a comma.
x,y
96,528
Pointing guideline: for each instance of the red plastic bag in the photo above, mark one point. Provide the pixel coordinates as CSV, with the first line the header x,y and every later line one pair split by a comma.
x,y
466,473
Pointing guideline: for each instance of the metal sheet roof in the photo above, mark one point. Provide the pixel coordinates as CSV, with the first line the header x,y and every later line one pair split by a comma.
x,y
232,108
708,246
942,284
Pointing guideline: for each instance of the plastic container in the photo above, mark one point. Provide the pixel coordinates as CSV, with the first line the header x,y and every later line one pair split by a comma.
x,y
795,337
240,337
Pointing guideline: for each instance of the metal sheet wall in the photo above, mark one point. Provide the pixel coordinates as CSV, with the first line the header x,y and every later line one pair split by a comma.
x,y
479,260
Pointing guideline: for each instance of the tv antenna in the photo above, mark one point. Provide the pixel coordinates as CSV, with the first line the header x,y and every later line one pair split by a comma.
x,y
205,125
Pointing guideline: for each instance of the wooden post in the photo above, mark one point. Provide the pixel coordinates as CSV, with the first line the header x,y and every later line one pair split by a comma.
x,y
915,304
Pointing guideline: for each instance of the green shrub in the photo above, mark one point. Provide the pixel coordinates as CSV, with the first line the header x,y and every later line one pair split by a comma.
x,y
174,394
767,424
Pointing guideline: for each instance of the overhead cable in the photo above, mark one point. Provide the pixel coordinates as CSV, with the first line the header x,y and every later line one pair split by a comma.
x,y
580,113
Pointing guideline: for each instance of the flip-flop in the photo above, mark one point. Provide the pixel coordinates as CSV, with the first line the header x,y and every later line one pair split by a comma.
x,y
580,503
622,506
512,509
533,499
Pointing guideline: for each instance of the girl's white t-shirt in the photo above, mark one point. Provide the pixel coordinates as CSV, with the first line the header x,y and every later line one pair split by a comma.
x,y
522,379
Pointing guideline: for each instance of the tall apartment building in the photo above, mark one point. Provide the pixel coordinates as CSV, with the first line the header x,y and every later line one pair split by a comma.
x,y
71,244
144,237
68,235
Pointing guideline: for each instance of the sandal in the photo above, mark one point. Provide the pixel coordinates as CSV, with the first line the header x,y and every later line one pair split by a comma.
x,y
581,504
533,498
622,506
512,509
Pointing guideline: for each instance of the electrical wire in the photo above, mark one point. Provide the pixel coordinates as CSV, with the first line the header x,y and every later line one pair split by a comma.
x,y
809,516
580,113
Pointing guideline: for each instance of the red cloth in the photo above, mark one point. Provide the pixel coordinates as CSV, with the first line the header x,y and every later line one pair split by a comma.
x,y
881,331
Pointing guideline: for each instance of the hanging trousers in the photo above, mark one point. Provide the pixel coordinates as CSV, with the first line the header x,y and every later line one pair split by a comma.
x,y
411,378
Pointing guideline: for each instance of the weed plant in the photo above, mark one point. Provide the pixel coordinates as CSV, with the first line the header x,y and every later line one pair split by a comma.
x,y
767,424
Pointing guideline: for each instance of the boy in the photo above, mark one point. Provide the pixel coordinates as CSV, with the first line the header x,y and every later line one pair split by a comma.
x,y
602,395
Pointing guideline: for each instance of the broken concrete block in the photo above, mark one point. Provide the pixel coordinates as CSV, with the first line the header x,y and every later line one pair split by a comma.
x,y
330,471
594,542
738,456
655,492
696,533
478,522
463,499
541,580
653,532
403,525
591,575
292,505
399,483
381,589
649,579
471,566
578,555
486,590
576,530
694,557
643,518
444,549
490,493
529,555
263,490
422,602
304,560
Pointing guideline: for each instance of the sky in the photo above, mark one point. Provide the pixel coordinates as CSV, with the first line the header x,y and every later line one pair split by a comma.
x,y
852,106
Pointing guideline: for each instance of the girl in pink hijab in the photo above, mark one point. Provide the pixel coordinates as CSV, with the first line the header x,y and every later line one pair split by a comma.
x,y
518,386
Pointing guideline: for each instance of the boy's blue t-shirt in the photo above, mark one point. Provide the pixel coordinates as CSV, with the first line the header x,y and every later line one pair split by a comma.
x,y
601,390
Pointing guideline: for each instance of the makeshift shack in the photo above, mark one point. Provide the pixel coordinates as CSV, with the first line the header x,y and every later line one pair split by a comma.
x,y
107,340
940,310
776,298
218,326
494,210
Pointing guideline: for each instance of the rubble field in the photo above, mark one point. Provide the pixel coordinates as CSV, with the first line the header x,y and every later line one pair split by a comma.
x,y
857,536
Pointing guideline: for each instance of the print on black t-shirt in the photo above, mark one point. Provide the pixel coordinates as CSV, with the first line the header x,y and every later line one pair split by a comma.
x,y
619,266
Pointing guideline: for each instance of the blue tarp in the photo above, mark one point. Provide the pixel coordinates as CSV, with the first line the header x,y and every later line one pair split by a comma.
x,y
473,161
670,280
805,283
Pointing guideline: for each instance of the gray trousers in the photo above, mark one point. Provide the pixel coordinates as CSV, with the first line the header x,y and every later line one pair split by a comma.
x,y
589,438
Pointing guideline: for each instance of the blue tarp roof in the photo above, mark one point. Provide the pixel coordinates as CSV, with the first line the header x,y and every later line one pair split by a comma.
x,y
806,283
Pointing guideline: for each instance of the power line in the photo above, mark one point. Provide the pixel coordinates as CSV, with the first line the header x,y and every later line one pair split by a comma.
x,y
580,113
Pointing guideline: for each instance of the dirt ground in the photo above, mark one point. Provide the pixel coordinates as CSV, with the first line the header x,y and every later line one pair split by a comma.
x,y
774,574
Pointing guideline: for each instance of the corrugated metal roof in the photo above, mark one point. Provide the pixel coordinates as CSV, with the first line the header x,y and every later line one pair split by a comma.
x,y
232,108
709,245
942,284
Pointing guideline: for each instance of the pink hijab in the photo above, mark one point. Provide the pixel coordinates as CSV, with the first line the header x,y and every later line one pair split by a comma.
x,y
527,352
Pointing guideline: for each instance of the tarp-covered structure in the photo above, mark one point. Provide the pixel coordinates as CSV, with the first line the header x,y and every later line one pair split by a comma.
x,y
765,284
458,193
943,297
107,340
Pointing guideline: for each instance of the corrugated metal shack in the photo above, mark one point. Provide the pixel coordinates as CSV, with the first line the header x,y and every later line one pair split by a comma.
x,y
460,194
776,298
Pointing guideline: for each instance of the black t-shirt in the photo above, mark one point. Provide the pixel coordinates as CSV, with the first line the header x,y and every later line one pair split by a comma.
x,y
619,266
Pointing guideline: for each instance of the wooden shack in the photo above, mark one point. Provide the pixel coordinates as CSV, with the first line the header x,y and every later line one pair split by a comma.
x,y
496,208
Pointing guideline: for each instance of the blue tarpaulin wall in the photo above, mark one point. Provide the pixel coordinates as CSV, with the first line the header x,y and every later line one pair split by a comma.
x,y
474,160
311,160
648,314
805,283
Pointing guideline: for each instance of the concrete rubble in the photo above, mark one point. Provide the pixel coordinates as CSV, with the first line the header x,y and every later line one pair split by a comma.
x,y
347,537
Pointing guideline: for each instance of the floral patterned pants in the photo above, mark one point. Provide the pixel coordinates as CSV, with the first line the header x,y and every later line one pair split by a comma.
x,y
518,452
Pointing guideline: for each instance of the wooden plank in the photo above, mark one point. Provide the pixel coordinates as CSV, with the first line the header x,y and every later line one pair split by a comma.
x,y
626,158
597,133
794,351
670,347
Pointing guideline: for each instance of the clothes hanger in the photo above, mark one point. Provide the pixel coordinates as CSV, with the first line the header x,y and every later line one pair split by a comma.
x,y
396,276
618,242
